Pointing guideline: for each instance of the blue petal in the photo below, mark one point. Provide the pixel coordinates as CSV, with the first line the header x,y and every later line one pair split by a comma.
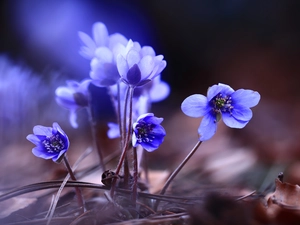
x,y
41,130
232,122
195,106
218,88
149,147
33,139
153,119
134,75
247,98
114,131
208,127
41,153
158,131
73,118
242,113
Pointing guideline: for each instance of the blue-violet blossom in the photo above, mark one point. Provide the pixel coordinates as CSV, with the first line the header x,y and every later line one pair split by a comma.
x,y
148,132
73,97
51,142
138,65
102,52
100,39
221,102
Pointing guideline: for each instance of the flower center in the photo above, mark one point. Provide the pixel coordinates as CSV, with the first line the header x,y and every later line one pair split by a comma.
x,y
54,143
143,130
221,104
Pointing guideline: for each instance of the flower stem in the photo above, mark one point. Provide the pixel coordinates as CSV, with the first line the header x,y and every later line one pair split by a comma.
x,y
78,191
176,171
126,143
135,176
93,125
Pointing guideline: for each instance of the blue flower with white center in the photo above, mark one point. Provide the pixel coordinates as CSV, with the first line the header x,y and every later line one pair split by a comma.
x,y
51,142
73,97
221,102
148,132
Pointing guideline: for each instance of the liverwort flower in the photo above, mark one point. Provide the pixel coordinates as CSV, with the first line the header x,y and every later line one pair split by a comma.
x,y
221,102
51,142
102,53
138,65
148,132
100,39
73,97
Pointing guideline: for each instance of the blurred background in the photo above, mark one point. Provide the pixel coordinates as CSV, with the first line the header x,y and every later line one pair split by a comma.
x,y
246,44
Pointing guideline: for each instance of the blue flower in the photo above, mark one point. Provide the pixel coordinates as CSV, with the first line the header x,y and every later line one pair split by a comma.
x,y
102,51
73,97
138,65
51,142
100,39
221,102
148,132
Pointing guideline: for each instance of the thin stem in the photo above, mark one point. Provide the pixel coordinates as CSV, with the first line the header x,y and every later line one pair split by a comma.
x,y
93,125
135,176
176,171
78,191
126,144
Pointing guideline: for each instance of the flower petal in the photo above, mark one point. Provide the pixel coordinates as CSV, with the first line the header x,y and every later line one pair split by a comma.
x,y
115,39
133,75
41,153
159,91
146,66
73,119
133,57
218,88
247,98
41,130
100,34
104,55
242,113
122,66
195,106
232,122
147,50
207,128
88,50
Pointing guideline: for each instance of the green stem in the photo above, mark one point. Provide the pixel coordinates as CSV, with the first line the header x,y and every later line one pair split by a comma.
x,y
176,171
78,191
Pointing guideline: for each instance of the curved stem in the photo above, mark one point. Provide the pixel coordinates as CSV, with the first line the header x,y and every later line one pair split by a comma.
x,y
78,191
177,170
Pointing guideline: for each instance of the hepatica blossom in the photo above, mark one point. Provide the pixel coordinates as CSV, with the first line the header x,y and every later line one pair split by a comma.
x,y
138,65
73,97
221,102
51,142
148,132
102,53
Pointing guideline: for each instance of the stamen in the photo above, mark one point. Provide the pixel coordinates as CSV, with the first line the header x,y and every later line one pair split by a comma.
x,y
54,143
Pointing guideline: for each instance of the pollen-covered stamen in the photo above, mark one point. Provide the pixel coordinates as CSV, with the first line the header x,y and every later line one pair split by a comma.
x,y
54,143
221,104
142,131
